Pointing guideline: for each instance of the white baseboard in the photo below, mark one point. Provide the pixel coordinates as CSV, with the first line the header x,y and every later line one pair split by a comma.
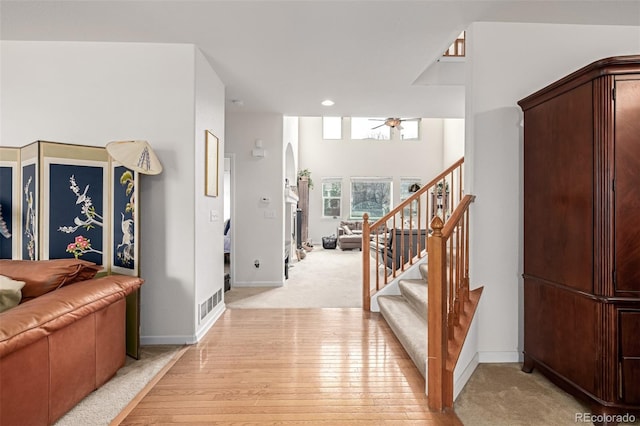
x,y
461,381
185,339
499,357
257,284
215,315
167,340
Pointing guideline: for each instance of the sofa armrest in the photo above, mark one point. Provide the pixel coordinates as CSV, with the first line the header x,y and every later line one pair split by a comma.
x,y
50,312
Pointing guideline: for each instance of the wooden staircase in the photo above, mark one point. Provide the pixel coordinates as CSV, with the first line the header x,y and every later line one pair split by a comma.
x,y
431,316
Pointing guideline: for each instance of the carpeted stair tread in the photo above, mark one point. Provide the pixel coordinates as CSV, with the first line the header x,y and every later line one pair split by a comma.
x,y
424,270
415,291
408,326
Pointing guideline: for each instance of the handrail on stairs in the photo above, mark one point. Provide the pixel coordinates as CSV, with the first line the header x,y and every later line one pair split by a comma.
x,y
451,306
434,220
399,239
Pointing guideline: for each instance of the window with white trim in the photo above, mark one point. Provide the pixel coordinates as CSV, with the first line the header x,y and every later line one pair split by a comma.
x,y
331,128
410,130
331,197
370,195
408,186
369,128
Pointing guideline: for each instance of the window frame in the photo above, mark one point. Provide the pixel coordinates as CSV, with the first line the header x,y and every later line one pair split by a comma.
x,y
378,121
418,130
341,119
331,180
371,179
410,181
409,211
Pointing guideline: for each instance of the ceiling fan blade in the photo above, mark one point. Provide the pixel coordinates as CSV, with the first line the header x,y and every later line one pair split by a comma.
x,y
399,127
373,128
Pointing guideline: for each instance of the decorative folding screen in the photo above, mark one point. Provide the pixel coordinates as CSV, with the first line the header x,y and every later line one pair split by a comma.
x,y
66,200
9,203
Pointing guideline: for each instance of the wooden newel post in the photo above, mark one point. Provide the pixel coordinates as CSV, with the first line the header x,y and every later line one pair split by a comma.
x,y
366,278
437,317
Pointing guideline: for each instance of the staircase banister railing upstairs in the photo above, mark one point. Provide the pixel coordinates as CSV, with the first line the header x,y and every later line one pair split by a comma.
x,y
423,190
398,239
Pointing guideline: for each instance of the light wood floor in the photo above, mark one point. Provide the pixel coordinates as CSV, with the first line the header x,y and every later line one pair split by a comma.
x,y
292,366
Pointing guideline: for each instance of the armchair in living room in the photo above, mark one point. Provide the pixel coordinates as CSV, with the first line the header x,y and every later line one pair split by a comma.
x,y
399,247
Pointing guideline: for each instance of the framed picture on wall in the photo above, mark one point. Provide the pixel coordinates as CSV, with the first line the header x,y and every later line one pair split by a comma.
x,y
125,220
75,197
9,203
211,164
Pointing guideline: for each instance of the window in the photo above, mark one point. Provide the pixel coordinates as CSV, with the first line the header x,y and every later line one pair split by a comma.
x,y
363,128
370,195
410,130
331,197
405,184
331,128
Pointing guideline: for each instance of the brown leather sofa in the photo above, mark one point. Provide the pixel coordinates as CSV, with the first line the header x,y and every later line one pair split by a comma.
x,y
60,346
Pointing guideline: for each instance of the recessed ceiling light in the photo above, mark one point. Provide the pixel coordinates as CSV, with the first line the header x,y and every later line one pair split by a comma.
x,y
327,102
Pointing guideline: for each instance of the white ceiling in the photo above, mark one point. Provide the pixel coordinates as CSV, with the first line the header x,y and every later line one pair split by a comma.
x,y
370,57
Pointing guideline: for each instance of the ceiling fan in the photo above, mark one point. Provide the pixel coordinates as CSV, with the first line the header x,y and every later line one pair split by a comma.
x,y
392,122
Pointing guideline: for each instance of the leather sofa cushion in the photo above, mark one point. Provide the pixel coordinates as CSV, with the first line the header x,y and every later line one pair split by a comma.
x,y
40,317
43,276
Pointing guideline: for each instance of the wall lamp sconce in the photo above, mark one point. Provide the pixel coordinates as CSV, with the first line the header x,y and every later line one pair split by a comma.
x,y
135,155
258,151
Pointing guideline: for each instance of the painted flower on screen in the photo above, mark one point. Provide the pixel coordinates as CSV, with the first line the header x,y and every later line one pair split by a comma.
x,y
79,246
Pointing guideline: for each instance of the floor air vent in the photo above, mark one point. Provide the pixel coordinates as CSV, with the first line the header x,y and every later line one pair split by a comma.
x,y
207,306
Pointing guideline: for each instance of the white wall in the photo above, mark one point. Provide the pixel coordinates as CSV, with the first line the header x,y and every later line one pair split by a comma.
x,y
348,158
258,227
93,93
505,63
453,134
291,137
209,211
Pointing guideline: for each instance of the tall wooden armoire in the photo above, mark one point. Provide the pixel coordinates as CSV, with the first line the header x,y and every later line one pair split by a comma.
x,y
582,234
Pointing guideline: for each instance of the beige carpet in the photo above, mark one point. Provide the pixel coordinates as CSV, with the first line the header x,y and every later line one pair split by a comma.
x,y
104,404
502,395
324,279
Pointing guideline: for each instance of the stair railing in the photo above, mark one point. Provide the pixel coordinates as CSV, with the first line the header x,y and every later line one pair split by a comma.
x,y
399,239
450,311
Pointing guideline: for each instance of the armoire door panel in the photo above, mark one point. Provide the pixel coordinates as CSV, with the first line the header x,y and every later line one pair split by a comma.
x,y
627,185
630,333
558,183
631,378
558,323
